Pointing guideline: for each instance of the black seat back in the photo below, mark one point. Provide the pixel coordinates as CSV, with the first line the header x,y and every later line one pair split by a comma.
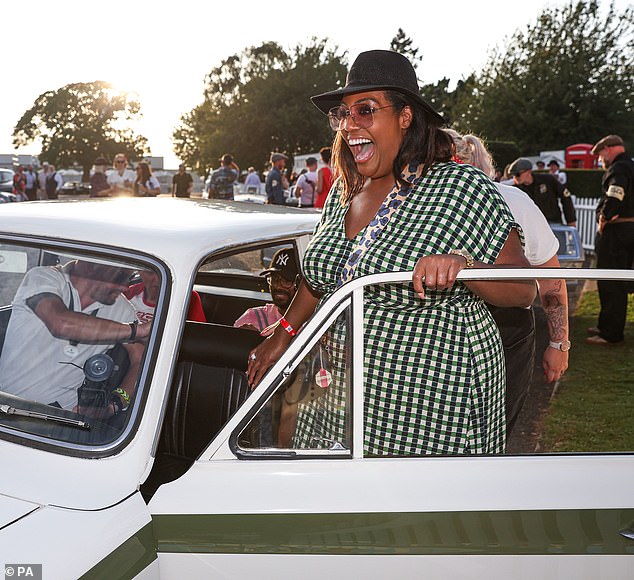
x,y
5,314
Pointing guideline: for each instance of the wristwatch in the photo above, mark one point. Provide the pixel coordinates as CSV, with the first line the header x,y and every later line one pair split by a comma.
x,y
563,346
466,255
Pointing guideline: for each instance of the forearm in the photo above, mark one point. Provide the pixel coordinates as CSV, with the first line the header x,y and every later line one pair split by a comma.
x,y
89,329
554,299
507,293
302,306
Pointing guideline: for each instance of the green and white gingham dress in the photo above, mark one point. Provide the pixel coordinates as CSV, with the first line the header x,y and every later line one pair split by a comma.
x,y
434,369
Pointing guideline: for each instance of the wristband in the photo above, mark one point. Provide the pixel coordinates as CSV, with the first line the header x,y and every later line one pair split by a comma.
x,y
287,327
133,326
122,394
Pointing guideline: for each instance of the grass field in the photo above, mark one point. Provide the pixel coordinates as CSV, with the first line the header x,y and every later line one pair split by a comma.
x,y
593,408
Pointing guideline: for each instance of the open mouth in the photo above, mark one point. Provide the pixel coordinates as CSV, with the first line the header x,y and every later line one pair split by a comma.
x,y
362,149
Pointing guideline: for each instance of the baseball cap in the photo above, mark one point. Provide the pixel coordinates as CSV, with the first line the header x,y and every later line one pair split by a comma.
x,y
609,141
520,165
277,157
283,262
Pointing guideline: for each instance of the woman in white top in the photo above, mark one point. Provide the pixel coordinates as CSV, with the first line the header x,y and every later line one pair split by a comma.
x,y
541,247
120,179
146,185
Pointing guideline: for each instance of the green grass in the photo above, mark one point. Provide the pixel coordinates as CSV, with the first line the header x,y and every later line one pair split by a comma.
x,y
593,409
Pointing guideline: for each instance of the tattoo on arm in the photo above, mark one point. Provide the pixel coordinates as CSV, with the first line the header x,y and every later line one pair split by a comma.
x,y
555,312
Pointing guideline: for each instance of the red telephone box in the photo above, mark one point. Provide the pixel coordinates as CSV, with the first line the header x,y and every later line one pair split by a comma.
x,y
579,157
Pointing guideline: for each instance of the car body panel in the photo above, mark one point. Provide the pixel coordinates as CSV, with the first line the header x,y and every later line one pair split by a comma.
x,y
283,513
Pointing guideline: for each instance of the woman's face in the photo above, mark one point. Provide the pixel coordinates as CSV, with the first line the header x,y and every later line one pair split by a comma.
x,y
375,147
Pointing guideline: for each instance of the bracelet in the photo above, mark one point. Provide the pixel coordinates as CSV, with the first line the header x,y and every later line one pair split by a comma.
x,y
133,327
287,327
123,395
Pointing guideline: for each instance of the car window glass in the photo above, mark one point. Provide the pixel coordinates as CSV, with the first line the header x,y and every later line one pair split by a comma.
x,y
311,409
71,347
249,262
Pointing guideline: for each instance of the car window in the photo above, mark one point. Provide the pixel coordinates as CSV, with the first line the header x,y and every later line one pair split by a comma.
x,y
247,262
311,408
71,345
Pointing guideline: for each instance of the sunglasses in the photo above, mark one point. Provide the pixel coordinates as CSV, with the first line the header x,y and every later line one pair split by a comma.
x,y
361,114
118,161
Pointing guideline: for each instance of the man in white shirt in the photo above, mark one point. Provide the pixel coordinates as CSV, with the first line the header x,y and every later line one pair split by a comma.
x,y
306,184
62,316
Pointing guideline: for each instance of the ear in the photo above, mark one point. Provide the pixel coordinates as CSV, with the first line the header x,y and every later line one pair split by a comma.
x,y
406,117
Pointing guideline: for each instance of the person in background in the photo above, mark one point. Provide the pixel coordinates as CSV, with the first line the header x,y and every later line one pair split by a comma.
x,y
146,185
41,181
252,179
615,240
283,279
517,325
19,184
324,178
98,180
545,190
121,179
54,183
31,183
399,203
275,180
307,184
144,296
540,165
223,179
553,169
182,183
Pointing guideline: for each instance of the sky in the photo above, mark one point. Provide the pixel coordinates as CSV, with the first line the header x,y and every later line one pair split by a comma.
x,y
162,50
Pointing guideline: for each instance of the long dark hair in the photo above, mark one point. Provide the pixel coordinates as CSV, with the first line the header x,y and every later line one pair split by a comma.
x,y
424,142
146,173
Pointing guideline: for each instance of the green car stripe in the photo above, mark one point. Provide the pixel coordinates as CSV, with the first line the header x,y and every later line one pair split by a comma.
x,y
128,560
402,533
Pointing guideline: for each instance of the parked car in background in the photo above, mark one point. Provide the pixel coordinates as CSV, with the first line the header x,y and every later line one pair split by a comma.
x,y
195,477
75,188
6,180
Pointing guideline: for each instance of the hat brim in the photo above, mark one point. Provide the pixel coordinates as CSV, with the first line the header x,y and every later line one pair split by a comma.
x,y
327,101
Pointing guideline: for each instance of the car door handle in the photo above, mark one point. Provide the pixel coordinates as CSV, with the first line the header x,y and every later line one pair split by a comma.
x,y
628,532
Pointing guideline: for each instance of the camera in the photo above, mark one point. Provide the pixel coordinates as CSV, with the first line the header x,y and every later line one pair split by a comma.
x,y
96,389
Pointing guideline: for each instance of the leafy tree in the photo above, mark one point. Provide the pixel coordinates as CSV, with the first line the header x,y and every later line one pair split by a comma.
x,y
567,78
258,101
405,45
79,122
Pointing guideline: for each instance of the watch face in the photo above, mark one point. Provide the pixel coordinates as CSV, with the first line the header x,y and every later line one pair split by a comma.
x,y
565,345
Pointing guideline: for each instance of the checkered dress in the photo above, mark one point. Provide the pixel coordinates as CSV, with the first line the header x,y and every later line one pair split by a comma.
x,y
434,369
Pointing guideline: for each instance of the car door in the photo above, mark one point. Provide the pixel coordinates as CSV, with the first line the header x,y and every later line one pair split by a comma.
x,y
253,502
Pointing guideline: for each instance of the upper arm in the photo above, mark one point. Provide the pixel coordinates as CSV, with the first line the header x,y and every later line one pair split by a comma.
x,y
512,253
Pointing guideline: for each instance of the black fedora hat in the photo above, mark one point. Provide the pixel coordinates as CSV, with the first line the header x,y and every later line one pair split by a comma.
x,y
377,70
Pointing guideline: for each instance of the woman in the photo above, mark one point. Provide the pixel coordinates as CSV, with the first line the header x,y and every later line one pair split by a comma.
x,y
517,325
434,370
120,179
324,178
146,184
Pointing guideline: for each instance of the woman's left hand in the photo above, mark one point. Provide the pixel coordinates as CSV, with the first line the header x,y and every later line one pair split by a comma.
x,y
436,272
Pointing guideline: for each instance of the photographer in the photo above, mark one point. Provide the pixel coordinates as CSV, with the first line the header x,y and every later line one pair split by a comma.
x,y
61,317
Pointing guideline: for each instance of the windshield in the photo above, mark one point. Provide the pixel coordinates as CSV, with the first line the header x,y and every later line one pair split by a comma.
x,y
73,334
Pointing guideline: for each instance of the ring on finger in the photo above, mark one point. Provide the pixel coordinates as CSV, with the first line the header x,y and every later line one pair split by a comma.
x,y
252,356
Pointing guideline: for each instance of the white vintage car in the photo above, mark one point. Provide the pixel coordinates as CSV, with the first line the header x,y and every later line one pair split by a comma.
x,y
199,478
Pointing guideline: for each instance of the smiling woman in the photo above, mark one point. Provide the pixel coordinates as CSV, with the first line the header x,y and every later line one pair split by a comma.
x,y
401,204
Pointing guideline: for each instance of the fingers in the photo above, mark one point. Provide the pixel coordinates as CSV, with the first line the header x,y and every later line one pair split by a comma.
x,y
436,272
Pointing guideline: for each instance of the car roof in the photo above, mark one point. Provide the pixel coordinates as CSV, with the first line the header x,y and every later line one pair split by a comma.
x,y
171,229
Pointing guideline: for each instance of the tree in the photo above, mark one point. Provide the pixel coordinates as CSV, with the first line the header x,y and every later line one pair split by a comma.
x,y
258,101
79,122
404,45
567,78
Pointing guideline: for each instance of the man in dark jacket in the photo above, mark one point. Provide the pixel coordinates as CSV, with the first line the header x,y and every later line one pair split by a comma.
x,y
545,190
275,181
615,242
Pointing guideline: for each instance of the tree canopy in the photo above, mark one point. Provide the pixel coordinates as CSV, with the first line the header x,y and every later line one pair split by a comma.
x,y
567,78
80,122
258,101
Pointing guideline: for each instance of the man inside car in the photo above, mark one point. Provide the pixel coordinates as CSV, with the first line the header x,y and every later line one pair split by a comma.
x,y
62,316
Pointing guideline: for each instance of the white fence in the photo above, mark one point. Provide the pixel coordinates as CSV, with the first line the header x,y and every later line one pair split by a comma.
x,y
586,220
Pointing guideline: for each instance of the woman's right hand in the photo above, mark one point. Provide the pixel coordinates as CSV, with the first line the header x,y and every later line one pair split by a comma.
x,y
265,355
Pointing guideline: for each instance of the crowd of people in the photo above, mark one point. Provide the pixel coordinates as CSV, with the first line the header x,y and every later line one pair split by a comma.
x,y
398,191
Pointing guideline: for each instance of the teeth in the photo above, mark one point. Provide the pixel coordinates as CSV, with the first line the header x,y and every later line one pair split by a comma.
x,y
359,141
